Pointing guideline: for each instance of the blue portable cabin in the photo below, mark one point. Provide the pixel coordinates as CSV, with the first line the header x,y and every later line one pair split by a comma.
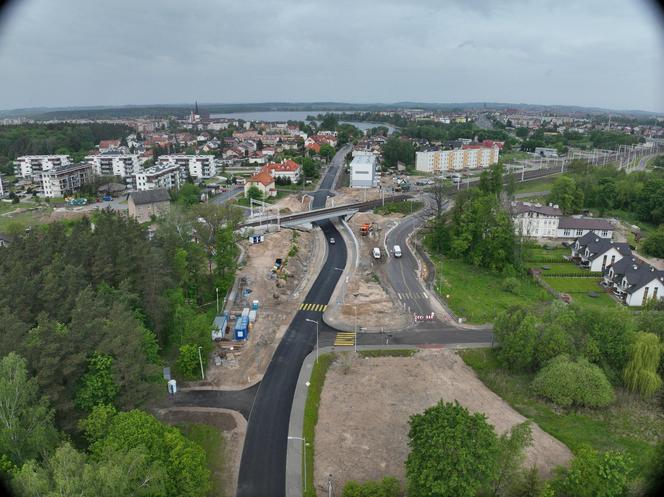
x,y
241,329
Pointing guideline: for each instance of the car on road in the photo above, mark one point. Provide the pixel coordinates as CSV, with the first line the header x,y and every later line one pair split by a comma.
x,y
376,253
397,251
332,241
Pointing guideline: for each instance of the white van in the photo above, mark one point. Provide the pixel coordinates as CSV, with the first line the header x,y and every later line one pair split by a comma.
x,y
397,251
376,253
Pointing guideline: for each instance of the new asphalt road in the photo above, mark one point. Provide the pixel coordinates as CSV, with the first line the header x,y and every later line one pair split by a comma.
x,y
263,463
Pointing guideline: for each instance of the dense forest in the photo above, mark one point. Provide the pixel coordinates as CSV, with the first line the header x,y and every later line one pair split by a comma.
x,y
89,312
61,138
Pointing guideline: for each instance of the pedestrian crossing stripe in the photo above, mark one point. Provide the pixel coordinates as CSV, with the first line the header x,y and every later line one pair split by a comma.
x,y
412,295
313,307
345,338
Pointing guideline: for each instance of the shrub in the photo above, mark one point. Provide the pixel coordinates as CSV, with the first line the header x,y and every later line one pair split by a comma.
x,y
640,374
510,285
569,383
387,487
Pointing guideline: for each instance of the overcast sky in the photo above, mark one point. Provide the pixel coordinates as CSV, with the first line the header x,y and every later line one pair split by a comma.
x,y
605,53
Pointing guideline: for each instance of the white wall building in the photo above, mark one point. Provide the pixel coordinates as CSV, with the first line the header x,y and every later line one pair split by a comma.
x,y
468,157
65,180
535,220
2,186
115,164
363,172
650,286
198,166
31,166
160,176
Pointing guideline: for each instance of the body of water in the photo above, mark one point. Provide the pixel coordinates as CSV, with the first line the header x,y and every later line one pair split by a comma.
x,y
296,115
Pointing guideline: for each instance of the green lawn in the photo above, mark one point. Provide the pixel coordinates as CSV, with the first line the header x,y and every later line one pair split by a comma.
x,y
477,294
539,253
506,157
212,442
556,268
405,207
538,185
311,405
579,288
29,218
270,200
630,424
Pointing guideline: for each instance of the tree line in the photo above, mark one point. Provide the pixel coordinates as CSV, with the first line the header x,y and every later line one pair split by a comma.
x,y
89,312
60,138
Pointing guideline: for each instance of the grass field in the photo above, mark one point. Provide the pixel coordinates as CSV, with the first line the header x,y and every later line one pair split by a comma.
x,y
477,294
316,383
579,288
405,207
537,185
557,268
212,442
540,253
630,424
29,218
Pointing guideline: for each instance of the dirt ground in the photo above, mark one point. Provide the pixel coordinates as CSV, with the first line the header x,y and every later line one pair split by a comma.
x,y
233,428
279,298
363,287
362,430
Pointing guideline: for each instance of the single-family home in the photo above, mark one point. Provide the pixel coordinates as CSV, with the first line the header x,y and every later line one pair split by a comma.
x,y
635,282
596,253
264,182
287,168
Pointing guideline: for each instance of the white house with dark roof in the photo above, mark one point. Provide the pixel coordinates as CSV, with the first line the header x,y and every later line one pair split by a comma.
x,y
574,227
646,284
536,220
597,253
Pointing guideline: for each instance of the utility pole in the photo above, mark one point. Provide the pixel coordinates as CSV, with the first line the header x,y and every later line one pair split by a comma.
x,y
217,291
200,360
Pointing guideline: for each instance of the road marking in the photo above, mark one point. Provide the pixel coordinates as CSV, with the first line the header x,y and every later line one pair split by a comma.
x,y
344,339
313,307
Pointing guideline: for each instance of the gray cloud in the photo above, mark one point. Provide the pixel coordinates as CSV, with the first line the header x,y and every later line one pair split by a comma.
x,y
76,52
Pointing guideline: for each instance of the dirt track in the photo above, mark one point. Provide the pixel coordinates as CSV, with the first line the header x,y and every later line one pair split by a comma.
x,y
362,430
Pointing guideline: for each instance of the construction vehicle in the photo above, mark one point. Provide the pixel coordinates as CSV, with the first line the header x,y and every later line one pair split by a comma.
x,y
364,229
278,265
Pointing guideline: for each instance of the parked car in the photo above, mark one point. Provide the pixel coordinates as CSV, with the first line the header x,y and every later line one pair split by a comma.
x,y
376,253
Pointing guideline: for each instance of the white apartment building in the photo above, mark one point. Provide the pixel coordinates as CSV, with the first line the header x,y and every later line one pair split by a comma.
x,y
363,172
160,176
198,166
468,157
31,166
64,180
115,164
535,220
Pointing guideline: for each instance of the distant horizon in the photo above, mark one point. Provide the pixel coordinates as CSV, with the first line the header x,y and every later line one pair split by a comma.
x,y
352,106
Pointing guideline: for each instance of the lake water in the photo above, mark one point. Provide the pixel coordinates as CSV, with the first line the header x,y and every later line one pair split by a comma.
x,y
295,115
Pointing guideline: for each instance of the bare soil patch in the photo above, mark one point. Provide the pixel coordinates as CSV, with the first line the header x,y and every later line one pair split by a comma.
x,y
362,431
279,297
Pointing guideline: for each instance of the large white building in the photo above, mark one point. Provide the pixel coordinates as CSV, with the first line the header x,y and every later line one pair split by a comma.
x,y
115,164
536,220
467,157
64,180
197,166
160,176
31,166
363,171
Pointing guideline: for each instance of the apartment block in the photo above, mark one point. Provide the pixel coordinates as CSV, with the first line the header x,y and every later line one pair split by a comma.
x,y
467,157
65,180
197,166
31,166
115,164
160,176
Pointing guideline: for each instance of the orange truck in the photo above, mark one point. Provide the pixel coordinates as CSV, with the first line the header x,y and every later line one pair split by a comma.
x,y
364,229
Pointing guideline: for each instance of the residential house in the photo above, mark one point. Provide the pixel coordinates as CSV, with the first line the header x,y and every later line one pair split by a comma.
x,y
108,145
635,282
287,168
264,182
536,220
143,205
574,227
597,253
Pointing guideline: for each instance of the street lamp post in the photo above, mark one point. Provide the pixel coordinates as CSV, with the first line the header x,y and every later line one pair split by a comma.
x,y
304,445
217,290
200,360
316,323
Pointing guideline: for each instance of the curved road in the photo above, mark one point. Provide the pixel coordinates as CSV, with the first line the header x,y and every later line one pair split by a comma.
x,y
263,464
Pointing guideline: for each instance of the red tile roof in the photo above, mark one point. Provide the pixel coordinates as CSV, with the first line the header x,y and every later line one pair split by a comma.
x,y
262,177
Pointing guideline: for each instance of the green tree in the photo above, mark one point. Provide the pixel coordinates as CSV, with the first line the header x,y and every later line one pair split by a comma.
x,y
569,383
654,474
566,195
188,363
654,244
26,420
182,460
326,150
188,194
254,193
517,345
396,149
511,456
453,452
329,122
640,374
97,386
595,474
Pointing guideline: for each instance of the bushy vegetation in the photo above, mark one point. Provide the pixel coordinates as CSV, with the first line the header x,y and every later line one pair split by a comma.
x,y
654,244
403,207
387,487
397,150
640,374
573,383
